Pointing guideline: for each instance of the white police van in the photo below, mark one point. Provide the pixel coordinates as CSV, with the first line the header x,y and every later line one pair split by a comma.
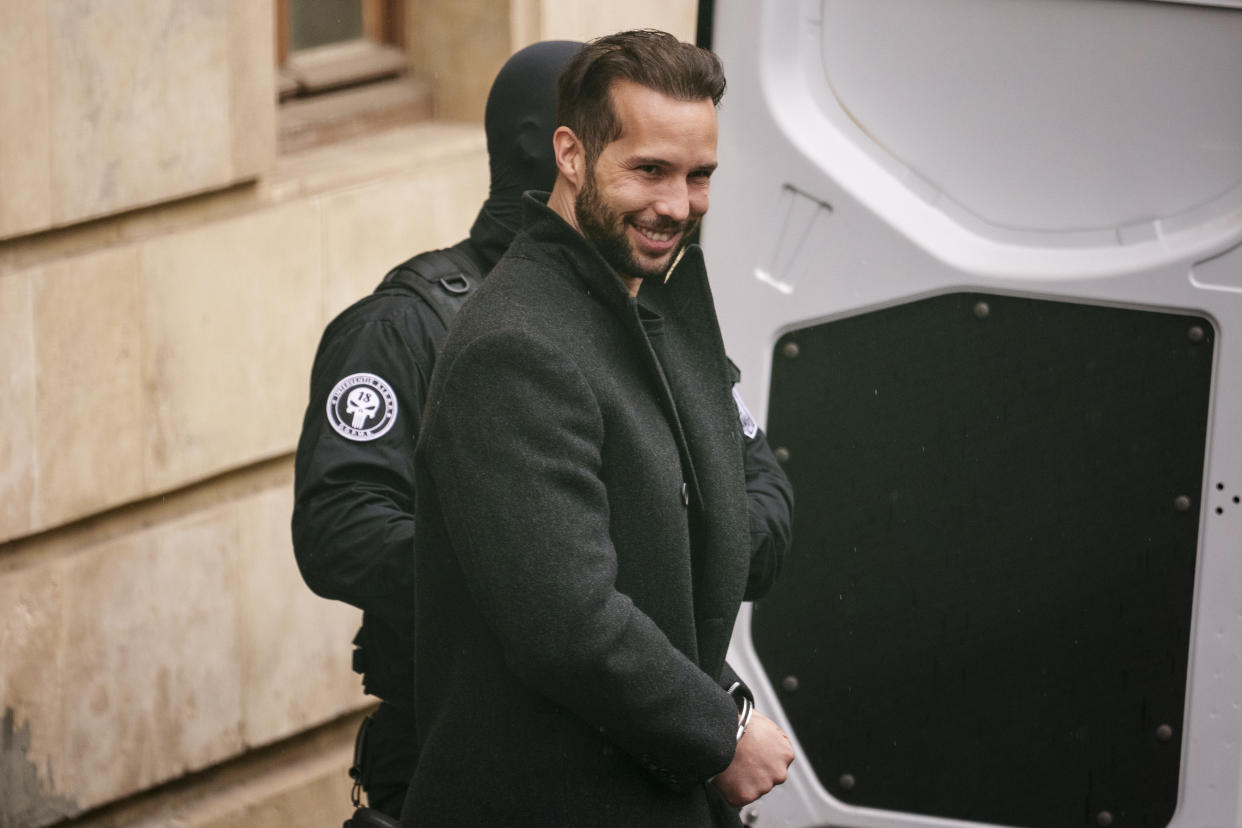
x,y
980,262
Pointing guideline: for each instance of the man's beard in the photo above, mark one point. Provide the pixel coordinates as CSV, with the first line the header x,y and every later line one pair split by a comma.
x,y
605,228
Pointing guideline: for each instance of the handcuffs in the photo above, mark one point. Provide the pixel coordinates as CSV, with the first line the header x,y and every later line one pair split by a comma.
x,y
745,707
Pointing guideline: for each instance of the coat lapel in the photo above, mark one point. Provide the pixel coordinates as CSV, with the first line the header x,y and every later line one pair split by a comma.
x,y
700,375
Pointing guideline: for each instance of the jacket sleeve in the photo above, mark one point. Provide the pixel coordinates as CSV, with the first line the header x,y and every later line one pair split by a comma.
x,y
769,504
353,522
769,501
515,452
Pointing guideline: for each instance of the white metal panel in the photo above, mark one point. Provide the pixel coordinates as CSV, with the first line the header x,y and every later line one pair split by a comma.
x,y
1015,110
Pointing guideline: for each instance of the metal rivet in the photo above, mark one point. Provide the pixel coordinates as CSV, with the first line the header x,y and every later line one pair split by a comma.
x,y
789,684
1164,733
1195,333
982,310
790,350
1104,819
846,781
1181,503
782,454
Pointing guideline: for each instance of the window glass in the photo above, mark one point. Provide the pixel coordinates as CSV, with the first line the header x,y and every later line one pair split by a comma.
x,y
317,22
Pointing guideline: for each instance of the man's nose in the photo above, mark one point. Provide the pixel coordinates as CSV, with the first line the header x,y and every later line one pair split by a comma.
x,y
674,201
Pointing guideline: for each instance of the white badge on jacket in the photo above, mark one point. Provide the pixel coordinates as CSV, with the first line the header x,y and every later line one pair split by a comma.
x,y
362,407
749,427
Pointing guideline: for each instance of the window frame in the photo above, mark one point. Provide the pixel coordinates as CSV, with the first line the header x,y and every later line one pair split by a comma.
x,y
379,53
339,90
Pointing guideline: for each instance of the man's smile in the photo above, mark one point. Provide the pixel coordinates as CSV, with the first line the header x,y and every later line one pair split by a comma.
x,y
655,242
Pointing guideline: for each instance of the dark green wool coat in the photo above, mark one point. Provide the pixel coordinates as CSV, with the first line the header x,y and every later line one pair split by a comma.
x,y
582,549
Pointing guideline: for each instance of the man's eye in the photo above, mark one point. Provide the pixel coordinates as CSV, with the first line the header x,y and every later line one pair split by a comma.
x,y
648,169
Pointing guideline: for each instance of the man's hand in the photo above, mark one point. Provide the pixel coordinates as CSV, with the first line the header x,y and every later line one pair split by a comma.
x,y
760,763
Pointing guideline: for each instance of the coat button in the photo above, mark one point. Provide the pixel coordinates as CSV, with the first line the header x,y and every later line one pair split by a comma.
x,y
685,494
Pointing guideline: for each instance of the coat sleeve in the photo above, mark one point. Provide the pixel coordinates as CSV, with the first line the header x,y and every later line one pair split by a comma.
x,y
353,521
769,504
769,501
515,453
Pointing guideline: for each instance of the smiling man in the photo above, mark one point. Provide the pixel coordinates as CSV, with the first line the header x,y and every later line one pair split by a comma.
x,y
581,511
655,174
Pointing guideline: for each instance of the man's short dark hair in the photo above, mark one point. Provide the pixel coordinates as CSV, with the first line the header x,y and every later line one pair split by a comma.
x,y
648,57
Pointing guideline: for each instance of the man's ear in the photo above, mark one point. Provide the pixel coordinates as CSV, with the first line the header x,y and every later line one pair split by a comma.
x,y
570,156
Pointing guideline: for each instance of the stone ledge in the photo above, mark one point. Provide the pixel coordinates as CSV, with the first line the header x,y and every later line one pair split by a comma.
x,y
340,165
301,781
363,160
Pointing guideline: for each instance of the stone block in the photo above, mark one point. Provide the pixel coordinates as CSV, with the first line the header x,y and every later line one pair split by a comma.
x,y
462,46
304,782
368,230
234,310
307,794
140,102
32,757
296,648
571,20
18,473
25,196
252,87
151,657
90,412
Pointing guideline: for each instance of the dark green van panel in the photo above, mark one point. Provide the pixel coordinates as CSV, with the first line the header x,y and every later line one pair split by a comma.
x,y
986,615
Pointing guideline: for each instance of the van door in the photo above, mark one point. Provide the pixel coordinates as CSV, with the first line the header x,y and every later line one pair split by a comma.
x,y
980,262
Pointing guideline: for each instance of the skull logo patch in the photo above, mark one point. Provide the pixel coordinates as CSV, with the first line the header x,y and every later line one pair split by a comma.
x,y
362,407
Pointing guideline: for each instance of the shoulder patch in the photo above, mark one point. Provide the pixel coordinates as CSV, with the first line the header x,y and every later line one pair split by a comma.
x,y
362,407
749,427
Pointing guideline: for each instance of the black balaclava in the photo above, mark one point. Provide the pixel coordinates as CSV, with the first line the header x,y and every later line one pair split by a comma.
x,y
520,119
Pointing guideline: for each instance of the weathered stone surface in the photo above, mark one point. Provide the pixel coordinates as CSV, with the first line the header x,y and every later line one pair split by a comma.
x,y
296,648
233,312
311,796
90,412
18,461
572,20
161,651
462,46
25,196
252,88
368,230
139,102
32,756
151,657
303,784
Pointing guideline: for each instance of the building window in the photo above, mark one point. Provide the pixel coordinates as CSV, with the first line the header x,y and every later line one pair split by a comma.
x,y
343,70
323,45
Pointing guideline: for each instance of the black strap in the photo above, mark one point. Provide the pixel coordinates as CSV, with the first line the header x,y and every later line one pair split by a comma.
x,y
357,771
443,278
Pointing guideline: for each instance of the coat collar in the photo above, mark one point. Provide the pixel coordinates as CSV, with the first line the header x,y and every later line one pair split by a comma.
x,y
489,238
686,282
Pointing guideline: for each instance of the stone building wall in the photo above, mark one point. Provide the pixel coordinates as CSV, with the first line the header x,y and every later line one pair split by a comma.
x,y
165,274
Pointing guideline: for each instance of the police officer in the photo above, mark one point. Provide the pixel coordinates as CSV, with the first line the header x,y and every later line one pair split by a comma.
x,y
353,522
